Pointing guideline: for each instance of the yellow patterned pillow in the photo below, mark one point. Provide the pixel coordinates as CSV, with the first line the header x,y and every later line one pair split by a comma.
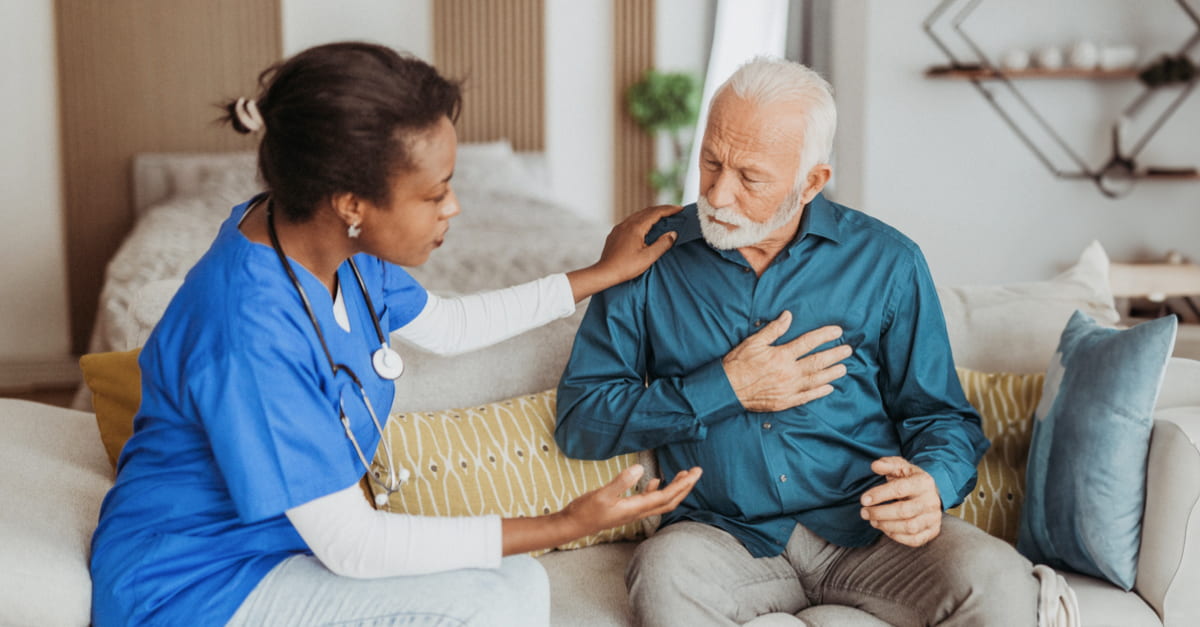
x,y
1006,403
499,458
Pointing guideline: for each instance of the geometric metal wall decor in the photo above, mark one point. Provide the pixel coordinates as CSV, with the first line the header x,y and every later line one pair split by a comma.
x,y
1114,176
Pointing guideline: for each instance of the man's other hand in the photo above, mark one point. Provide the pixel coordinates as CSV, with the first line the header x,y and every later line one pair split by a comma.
x,y
775,378
907,508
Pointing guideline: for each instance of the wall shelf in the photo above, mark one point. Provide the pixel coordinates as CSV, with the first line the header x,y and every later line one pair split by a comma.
x,y
1171,176
1148,175
981,73
1115,176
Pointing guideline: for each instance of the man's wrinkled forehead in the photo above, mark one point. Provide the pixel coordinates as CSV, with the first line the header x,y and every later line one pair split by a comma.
x,y
777,127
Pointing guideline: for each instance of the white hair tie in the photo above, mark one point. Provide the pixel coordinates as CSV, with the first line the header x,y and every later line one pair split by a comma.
x,y
248,115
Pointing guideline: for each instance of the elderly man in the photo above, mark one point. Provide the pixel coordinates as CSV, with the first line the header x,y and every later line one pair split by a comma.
x,y
828,457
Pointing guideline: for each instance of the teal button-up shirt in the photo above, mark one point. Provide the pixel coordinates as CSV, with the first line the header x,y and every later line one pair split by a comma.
x,y
645,372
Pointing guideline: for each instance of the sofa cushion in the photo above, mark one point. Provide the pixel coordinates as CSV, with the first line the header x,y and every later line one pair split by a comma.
x,y
587,587
1005,403
1102,605
53,475
498,458
526,364
1179,387
1015,327
1086,476
1169,558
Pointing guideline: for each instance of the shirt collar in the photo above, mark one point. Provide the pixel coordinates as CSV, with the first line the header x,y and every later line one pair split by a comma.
x,y
821,218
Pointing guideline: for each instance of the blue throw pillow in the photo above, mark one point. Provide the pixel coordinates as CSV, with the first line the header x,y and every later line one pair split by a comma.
x,y
1085,482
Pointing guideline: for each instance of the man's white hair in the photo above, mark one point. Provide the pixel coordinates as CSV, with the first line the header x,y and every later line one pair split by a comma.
x,y
768,80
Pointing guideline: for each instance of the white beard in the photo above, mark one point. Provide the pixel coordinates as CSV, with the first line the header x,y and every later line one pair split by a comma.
x,y
746,232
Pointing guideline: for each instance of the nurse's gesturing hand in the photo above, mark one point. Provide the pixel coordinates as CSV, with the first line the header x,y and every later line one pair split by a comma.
x,y
626,253
598,510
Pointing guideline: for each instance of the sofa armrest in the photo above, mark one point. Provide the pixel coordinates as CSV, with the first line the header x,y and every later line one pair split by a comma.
x,y
1169,559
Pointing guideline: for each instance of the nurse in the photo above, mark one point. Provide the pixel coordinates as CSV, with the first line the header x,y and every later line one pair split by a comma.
x,y
237,498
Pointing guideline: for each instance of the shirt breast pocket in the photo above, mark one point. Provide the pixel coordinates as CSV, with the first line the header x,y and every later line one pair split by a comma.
x,y
859,330
808,317
843,410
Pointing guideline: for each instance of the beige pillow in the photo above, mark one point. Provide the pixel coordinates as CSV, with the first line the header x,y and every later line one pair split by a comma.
x,y
498,458
1006,403
1016,327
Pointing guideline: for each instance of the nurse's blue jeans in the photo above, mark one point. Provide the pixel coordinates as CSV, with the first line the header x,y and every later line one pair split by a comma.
x,y
301,591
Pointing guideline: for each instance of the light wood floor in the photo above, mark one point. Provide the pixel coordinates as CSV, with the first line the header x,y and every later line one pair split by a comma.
x,y
62,397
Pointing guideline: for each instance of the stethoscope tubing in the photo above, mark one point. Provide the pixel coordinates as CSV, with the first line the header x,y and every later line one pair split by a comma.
x,y
394,478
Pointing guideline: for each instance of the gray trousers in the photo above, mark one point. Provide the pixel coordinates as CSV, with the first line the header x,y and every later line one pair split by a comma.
x,y
692,574
301,591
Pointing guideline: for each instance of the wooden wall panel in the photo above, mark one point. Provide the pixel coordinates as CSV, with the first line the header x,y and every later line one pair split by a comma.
x,y
498,48
136,76
633,32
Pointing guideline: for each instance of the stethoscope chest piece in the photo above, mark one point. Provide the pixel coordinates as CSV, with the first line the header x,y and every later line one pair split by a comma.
x,y
388,363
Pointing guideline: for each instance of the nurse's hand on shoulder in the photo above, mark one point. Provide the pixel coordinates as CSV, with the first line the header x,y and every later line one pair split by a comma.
x,y
598,510
626,254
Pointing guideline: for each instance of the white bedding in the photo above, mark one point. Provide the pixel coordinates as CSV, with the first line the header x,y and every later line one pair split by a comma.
x,y
510,231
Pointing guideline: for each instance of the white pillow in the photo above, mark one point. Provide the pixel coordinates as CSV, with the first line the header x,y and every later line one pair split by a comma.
x,y
1015,327
148,306
487,167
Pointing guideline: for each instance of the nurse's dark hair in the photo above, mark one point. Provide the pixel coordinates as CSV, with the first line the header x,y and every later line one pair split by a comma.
x,y
341,118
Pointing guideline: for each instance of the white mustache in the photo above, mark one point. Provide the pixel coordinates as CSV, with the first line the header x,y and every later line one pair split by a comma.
x,y
729,214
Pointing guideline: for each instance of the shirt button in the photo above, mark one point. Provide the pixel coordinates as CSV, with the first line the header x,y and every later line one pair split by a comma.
x,y
745,269
783,478
766,425
758,323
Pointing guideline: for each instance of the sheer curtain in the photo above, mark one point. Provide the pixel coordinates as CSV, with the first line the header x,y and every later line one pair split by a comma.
x,y
742,30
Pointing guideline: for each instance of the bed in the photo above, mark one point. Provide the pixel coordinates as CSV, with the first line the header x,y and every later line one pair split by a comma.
x,y
511,230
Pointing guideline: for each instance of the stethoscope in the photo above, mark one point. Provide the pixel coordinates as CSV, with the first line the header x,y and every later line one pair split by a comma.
x,y
387,362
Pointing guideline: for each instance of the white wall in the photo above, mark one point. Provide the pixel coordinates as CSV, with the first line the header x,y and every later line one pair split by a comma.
x,y
579,72
579,93
33,292
579,105
933,159
579,54
401,24
682,41
683,35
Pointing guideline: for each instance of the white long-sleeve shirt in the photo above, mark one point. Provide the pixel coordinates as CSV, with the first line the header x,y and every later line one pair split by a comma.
x,y
352,539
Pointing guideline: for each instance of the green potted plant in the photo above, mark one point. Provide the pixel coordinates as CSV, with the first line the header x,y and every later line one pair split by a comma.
x,y
667,102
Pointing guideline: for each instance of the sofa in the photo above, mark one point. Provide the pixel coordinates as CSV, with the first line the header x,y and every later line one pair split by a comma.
x,y
55,468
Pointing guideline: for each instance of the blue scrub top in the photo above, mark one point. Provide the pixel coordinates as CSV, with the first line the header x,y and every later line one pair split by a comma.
x,y
238,423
